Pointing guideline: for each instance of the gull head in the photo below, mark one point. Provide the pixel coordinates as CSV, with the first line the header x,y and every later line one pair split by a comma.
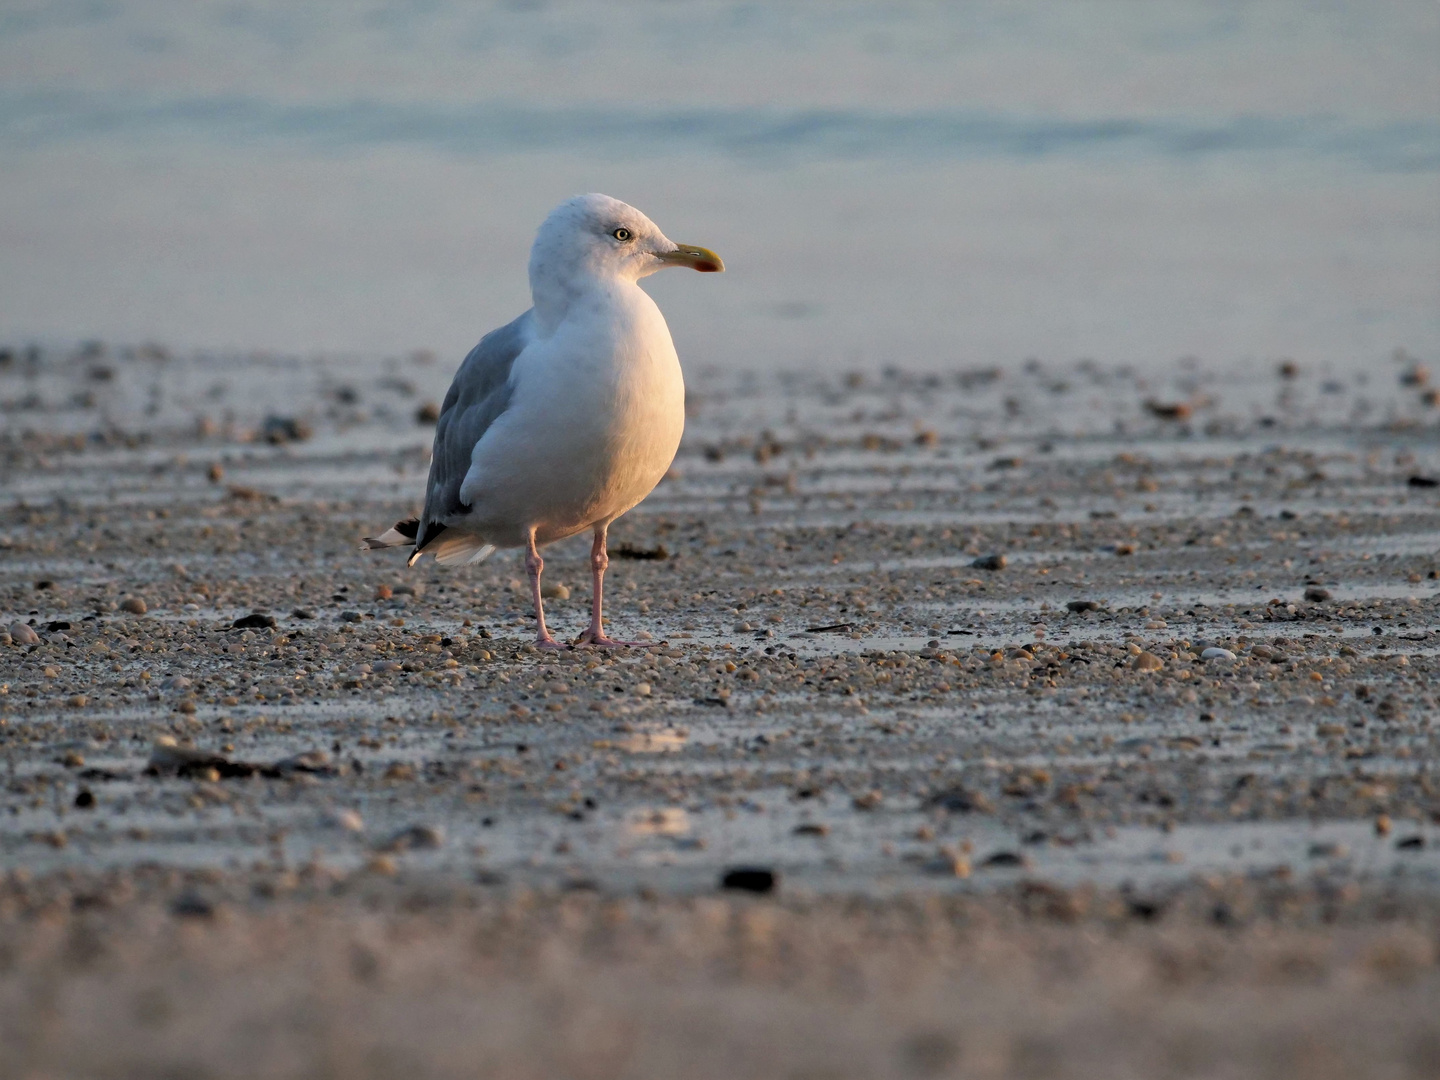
x,y
598,238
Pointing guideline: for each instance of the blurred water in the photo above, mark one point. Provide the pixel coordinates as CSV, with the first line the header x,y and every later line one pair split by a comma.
x,y
915,184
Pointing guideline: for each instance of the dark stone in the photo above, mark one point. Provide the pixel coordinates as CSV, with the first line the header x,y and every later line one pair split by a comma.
x,y
1145,910
996,561
254,621
658,553
191,905
1079,606
960,801
284,429
1003,859
755,879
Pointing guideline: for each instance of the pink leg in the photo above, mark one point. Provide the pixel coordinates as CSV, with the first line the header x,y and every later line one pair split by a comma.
x,y
533,566
599,562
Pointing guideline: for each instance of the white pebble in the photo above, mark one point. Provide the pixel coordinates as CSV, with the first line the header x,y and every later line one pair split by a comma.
x,y
349,820
23,635
1214,653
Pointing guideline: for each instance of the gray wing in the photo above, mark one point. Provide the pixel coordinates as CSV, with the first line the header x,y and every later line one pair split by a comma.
x,y
479,394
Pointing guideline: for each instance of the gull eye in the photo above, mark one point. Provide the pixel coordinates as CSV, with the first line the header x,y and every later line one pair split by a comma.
x,y
623,234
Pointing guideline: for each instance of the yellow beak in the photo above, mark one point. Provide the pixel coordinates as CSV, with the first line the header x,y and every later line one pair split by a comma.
x,y
697,258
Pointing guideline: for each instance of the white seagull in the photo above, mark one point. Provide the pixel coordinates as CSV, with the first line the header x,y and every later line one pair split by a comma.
x,y
567,417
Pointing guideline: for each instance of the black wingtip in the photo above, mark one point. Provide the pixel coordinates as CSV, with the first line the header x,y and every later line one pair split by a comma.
x,y
410,527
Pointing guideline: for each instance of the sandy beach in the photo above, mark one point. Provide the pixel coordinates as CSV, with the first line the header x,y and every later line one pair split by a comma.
x,y
1050,721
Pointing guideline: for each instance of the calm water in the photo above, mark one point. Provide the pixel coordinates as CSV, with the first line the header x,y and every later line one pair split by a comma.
x,y
913,184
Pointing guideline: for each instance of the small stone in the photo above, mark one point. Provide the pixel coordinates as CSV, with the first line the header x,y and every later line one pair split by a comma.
x,y
416,838
191,905
1124,549
1316,595
278,430
21,634
755,879
256,620
1081,606
84,799
1383,825
216,473
381,865
428,413
1005,860
556,592
72,760
349,820
1216,653
952,862
77,701
961,801
1169,410
642,689
996,561
134,605
1147,662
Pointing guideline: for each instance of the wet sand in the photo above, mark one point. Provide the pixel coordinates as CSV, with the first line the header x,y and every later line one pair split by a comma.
x,y
929,657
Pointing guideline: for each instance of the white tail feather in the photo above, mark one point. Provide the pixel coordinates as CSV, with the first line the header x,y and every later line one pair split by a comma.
x,y
454,550
388,539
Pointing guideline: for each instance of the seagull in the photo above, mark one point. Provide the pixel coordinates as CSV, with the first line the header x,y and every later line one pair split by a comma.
x,y
567,417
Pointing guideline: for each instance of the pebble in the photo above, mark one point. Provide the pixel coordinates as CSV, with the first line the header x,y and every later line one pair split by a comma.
x,y
996,561
278,430
421,837
191,905
134,605
1317,595
256,620
1147,661
1216,653
755,879
1080,606
22,634
1005,859
556,592
349,820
